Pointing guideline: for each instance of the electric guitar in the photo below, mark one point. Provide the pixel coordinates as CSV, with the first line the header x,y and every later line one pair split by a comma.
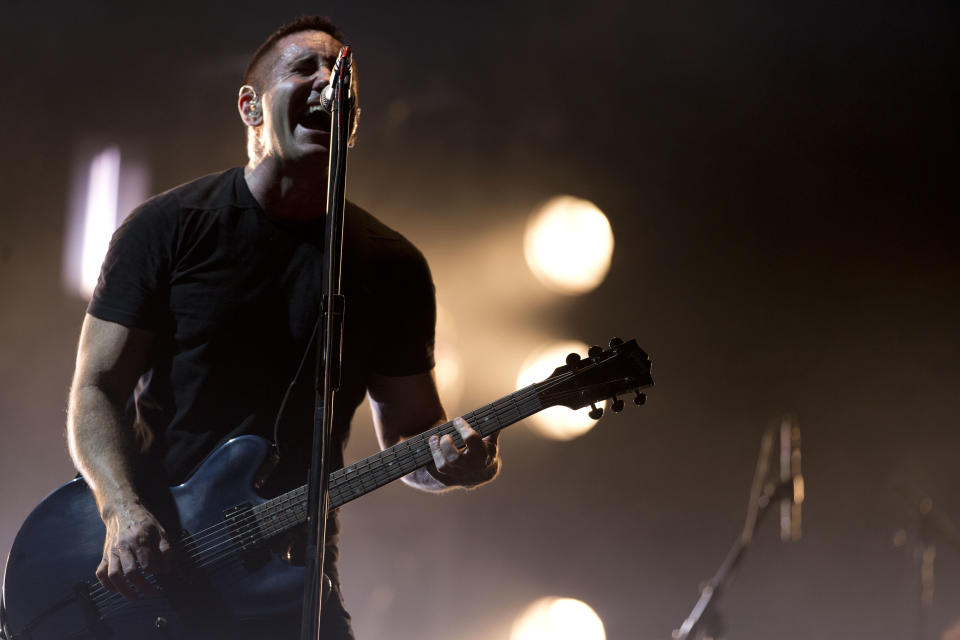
x,y
228,571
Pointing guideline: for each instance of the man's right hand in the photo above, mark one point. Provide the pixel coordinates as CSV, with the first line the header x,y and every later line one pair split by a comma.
x,y
136,543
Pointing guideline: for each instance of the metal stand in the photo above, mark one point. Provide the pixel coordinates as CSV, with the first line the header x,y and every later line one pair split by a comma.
x,y
328,353
703,618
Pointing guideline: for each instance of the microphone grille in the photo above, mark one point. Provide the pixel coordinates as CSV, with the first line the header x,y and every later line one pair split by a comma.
x,y
326,98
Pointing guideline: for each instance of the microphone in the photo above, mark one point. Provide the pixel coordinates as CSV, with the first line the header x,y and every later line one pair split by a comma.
x,y
791,481
326,96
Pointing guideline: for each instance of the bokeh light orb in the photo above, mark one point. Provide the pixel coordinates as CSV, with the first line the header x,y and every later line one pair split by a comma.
x,y
555,423
558,619
568,244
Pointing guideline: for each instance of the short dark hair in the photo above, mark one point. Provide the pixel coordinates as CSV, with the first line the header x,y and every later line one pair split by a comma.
x,y
253,74
303,23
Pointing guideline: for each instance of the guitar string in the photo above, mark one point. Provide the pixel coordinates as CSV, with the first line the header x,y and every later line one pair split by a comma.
x,y
283,511
342,479
296,514
286,515
283,507
294,517
202,536
379,473
283,516
290,515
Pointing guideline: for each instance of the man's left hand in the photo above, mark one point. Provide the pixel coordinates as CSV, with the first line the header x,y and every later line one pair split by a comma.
x,y
478,462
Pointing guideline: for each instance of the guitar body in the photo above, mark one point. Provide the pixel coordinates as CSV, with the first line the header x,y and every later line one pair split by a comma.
x,y
50,591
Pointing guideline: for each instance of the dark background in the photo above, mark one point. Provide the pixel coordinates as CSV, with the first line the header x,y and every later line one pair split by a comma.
x,y
781,179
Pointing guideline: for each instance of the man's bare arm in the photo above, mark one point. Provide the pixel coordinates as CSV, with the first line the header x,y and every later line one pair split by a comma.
x,y
405,406
110,359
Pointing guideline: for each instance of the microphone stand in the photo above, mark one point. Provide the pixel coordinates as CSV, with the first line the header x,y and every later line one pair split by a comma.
x,y
330,332
763,493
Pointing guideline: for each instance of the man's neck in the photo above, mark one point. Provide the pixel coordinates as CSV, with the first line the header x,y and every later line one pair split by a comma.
x,y
282,193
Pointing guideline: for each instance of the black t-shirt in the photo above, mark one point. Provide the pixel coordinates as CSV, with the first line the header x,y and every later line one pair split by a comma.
x,y
232,296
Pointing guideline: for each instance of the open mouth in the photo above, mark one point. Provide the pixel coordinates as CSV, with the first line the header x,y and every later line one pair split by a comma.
x,y
315,118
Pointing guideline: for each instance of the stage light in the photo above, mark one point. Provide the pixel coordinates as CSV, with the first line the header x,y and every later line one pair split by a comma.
x,y
556,423
104,191
449,364
558,619
100,215
568,245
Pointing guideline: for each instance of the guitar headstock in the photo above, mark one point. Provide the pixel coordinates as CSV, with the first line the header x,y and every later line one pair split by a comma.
x,y
604,374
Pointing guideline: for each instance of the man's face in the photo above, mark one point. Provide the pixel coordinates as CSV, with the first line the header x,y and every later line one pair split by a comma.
x,y
294,127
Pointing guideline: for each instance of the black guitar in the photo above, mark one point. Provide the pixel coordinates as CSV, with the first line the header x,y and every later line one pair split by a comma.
x,y
228,572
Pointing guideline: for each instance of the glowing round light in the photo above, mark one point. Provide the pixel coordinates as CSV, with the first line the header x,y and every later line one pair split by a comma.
x,y
558,619
559,422
568,244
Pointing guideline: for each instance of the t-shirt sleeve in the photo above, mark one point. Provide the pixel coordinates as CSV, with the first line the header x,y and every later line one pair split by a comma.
x,y
406,344
133,284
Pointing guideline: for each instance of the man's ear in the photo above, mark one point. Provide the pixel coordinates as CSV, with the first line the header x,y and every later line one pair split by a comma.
x,y
248,104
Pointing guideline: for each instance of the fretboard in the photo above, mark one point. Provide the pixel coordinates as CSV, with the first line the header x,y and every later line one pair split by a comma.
x,y
290,509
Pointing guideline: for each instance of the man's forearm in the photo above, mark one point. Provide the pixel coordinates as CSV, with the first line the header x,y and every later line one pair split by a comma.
x,y
406,406
110,359
102,447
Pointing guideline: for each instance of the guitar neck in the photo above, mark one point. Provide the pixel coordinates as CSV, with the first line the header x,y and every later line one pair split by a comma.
x,y
290,509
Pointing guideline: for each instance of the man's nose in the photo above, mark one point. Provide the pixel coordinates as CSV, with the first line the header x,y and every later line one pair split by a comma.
x,y
321,78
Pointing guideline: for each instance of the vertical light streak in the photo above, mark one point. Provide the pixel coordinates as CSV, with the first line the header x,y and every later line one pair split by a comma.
x,y
99,215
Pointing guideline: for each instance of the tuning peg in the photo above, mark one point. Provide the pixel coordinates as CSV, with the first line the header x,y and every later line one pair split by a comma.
x,y
615,342
617,405
595,411
573,358
594,351
640,398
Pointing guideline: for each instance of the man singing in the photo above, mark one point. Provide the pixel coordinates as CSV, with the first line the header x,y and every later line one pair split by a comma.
x,y
204,312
